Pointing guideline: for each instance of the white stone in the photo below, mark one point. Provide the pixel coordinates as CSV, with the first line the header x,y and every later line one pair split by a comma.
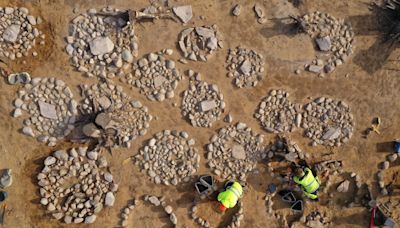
x,y
101,46
238,152
207,105
11,33
110,199
48,110
184,13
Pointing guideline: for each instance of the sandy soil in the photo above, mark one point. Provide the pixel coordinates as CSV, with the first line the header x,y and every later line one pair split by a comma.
x,y
371,90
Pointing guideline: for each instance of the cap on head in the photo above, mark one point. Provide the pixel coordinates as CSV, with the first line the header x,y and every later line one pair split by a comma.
x,y
299,172
222,208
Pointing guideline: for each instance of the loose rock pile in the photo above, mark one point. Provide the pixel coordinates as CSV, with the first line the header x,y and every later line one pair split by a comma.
x,y
155,201
18,32
286,149
155,76
315,219
328,122
202,103
51,107
199,42
169,157
277,114
331,167
380,175
245,66
332,36
100,43
234,151
75,186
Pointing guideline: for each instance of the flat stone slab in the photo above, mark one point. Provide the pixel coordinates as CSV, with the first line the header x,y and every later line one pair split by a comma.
x,y
104,102
101,46
332,134
207,105
238,152
47,110
205,32
11,33
245,68
184,13
315,68
158,81
324,43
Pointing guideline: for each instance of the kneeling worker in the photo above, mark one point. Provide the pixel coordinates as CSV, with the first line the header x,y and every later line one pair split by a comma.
x,y
309,183
228,198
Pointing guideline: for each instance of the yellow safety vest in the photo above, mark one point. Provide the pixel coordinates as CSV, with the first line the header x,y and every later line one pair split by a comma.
x,y
231,195
309,183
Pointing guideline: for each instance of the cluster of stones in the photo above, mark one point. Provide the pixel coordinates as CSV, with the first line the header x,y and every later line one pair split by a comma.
x,y
117,120
332,36
245,66
328,122
169,157
277,114
18,32
155,76
380,175
155,201
51,107
235,222
100,43
316,219
199,42
331,167
82,200
202,103
234,151
286,149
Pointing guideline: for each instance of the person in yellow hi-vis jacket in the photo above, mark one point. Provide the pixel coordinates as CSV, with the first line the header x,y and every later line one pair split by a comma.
x,y
229,198
309,183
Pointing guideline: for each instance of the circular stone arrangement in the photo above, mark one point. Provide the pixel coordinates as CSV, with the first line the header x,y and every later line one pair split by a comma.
x,y
155,201
277,114
75,186
199,42
169,157
236,218
101,43
51,107
234,151
332,36
328,122
155,76
202,103
18,32
245,66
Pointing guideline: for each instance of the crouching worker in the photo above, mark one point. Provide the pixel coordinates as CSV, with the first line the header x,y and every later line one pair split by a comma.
x,y
309,183
229,198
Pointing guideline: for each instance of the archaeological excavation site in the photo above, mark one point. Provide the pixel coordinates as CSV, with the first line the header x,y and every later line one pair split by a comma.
x,y
200,113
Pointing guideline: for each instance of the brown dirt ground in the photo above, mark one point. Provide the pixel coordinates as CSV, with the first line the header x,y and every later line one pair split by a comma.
x,y
371,90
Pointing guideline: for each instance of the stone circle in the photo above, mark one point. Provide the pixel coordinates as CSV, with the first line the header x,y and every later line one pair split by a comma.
x,y
153,200
155,76
327,121
169,157
75,185
277,114
245,67
51,108
202,103
198,43
332,36
234,151
101,43
18,32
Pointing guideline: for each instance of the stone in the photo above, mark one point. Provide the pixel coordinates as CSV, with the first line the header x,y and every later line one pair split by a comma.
x,y
103,120
324,43
344,186
58,216
152,57
159,81
48,110
207,105
17,112
212,43
259,11
315,68
385,165
101,46
154,200
245,68
28,131
332,134
205,32
11,33
238,152
228,118
104,102
236,10
92,155
173,219
31,19
50,160
109,199
91,130
168,209
61,155
184,13
6,178
127,56
90,219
